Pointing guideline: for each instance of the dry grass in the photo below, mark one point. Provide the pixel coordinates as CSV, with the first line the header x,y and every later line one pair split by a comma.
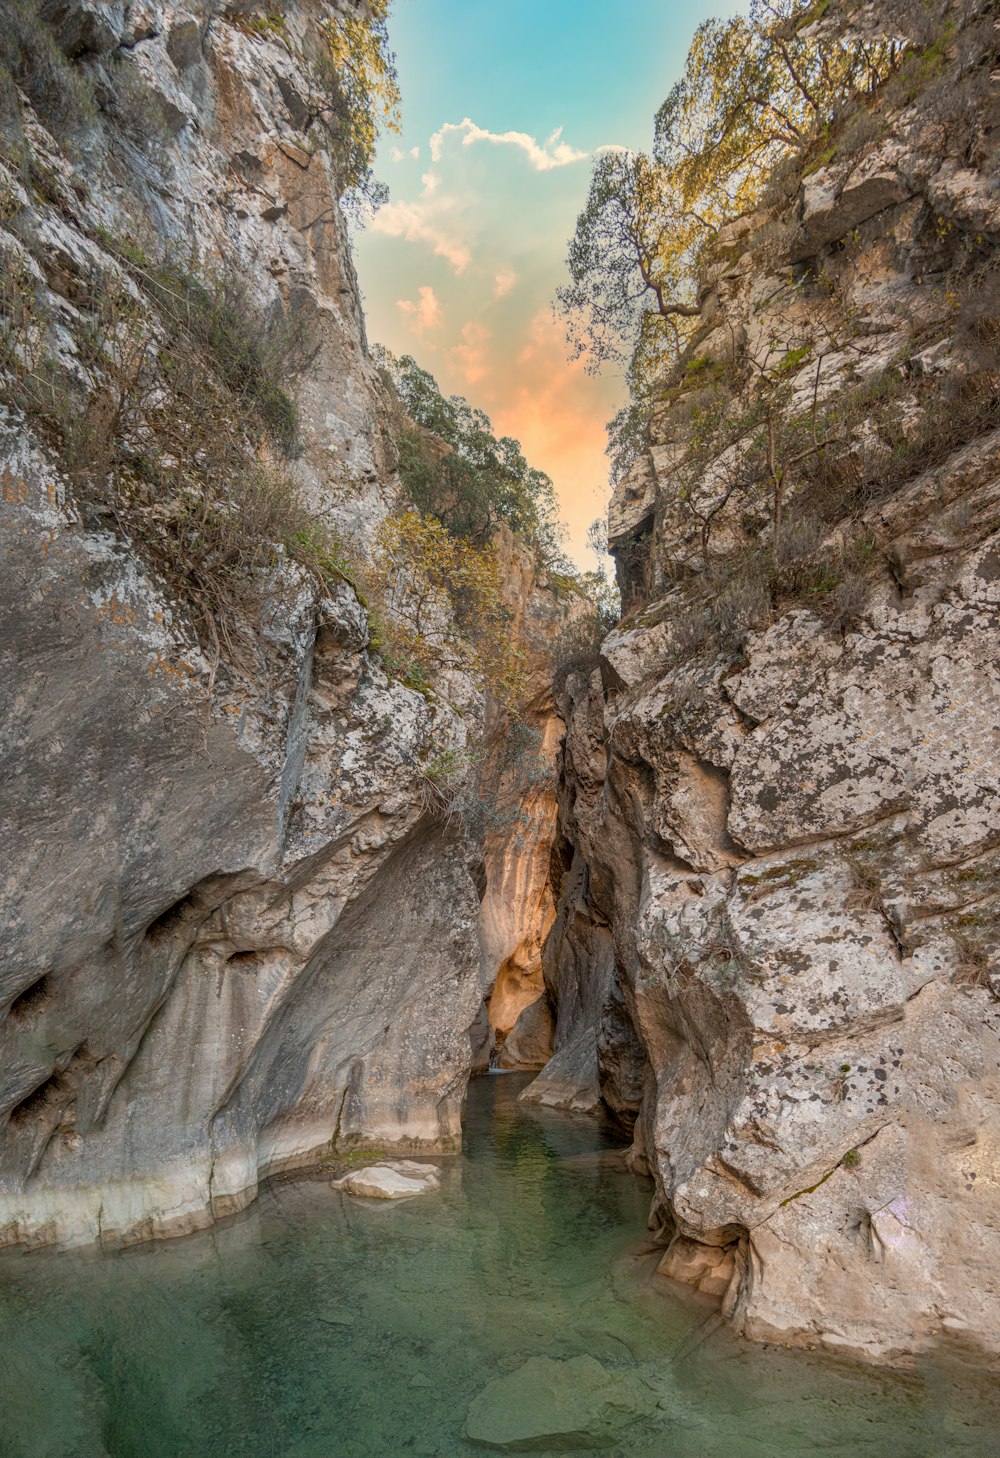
x,y
162,420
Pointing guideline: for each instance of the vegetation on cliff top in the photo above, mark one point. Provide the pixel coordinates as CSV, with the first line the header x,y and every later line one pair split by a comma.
x,y
754,89
457,469
763,98
466,483
785,420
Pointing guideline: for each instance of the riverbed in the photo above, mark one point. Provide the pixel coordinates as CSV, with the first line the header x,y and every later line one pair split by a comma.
x,y
317,1325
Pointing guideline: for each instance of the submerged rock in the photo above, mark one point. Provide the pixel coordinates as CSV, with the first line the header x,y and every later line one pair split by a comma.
x,y
557,1405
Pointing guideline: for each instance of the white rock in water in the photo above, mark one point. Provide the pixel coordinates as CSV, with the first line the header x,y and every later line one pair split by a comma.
x,y
389,1181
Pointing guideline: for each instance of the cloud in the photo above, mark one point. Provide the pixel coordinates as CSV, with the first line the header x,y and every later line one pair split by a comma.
x,y
505,280
542,156
398,155
556,410
432,218
423,313
470,357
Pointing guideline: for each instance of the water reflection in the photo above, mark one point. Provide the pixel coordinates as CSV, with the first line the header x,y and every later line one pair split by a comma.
x,y
317,1326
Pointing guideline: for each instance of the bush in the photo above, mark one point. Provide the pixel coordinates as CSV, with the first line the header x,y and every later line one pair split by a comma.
x,y
137,108
253,353
159,427
440,605
740,591
30,58
457,470
496,796
354,93
715,953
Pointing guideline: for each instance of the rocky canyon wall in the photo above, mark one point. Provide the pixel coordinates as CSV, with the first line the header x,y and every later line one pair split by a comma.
x,y
202,833
776,944
520,834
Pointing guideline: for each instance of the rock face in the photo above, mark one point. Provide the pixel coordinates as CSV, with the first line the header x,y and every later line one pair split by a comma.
x,y
521,822
777,940
199,981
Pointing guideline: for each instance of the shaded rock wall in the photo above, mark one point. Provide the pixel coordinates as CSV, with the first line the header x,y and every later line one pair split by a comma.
x,y
199,983
519,785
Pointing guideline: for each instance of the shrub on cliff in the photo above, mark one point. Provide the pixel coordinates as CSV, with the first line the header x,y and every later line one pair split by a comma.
x,y
438,603
353,92
31,59
167,420
456,469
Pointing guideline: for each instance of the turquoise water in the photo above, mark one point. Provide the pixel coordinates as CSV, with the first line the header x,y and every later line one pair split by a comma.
x,y
319,1326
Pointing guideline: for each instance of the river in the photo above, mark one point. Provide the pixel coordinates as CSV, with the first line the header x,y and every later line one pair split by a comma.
x,y
316,1325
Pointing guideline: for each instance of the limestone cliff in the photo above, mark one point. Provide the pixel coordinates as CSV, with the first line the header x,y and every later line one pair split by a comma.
x,y
777,940
212,793
521,828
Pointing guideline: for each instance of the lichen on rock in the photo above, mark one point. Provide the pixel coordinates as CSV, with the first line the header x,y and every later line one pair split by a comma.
x,y
776,949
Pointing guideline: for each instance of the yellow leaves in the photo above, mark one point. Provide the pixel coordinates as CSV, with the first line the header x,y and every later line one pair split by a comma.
x,y
442,605
364,66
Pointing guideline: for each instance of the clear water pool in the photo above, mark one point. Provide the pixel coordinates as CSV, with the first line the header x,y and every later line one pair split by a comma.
x,y
319,1326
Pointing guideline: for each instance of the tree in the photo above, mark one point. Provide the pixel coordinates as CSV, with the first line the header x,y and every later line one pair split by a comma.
x,y
457,470
753,90
443,605
632,265
354,90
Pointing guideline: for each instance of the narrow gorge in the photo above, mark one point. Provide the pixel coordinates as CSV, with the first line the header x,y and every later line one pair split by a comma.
x,y
330,785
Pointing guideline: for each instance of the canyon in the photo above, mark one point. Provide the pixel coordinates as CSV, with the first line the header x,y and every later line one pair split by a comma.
x,y
742,892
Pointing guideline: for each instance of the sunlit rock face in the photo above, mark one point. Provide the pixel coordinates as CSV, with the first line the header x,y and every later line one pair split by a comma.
x,y
778,938
233,932
520,841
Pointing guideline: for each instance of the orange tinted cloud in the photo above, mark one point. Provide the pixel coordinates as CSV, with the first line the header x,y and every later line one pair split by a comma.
x,y
558,413
424,312
471,357
434,218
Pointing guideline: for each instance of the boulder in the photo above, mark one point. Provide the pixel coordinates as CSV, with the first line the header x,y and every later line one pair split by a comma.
x,y
529,1042
558,1405
397,1181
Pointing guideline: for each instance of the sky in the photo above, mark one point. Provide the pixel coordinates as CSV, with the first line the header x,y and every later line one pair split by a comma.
x,y
505,103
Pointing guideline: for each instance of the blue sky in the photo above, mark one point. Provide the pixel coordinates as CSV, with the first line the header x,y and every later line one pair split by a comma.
x,y
504,104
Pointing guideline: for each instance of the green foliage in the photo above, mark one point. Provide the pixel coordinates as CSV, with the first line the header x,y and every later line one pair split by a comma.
x,y
440,603
354,93
851,1159
267,24
627,433
457,470
740,591
31,59
755,91
253,353
632,265
352,90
